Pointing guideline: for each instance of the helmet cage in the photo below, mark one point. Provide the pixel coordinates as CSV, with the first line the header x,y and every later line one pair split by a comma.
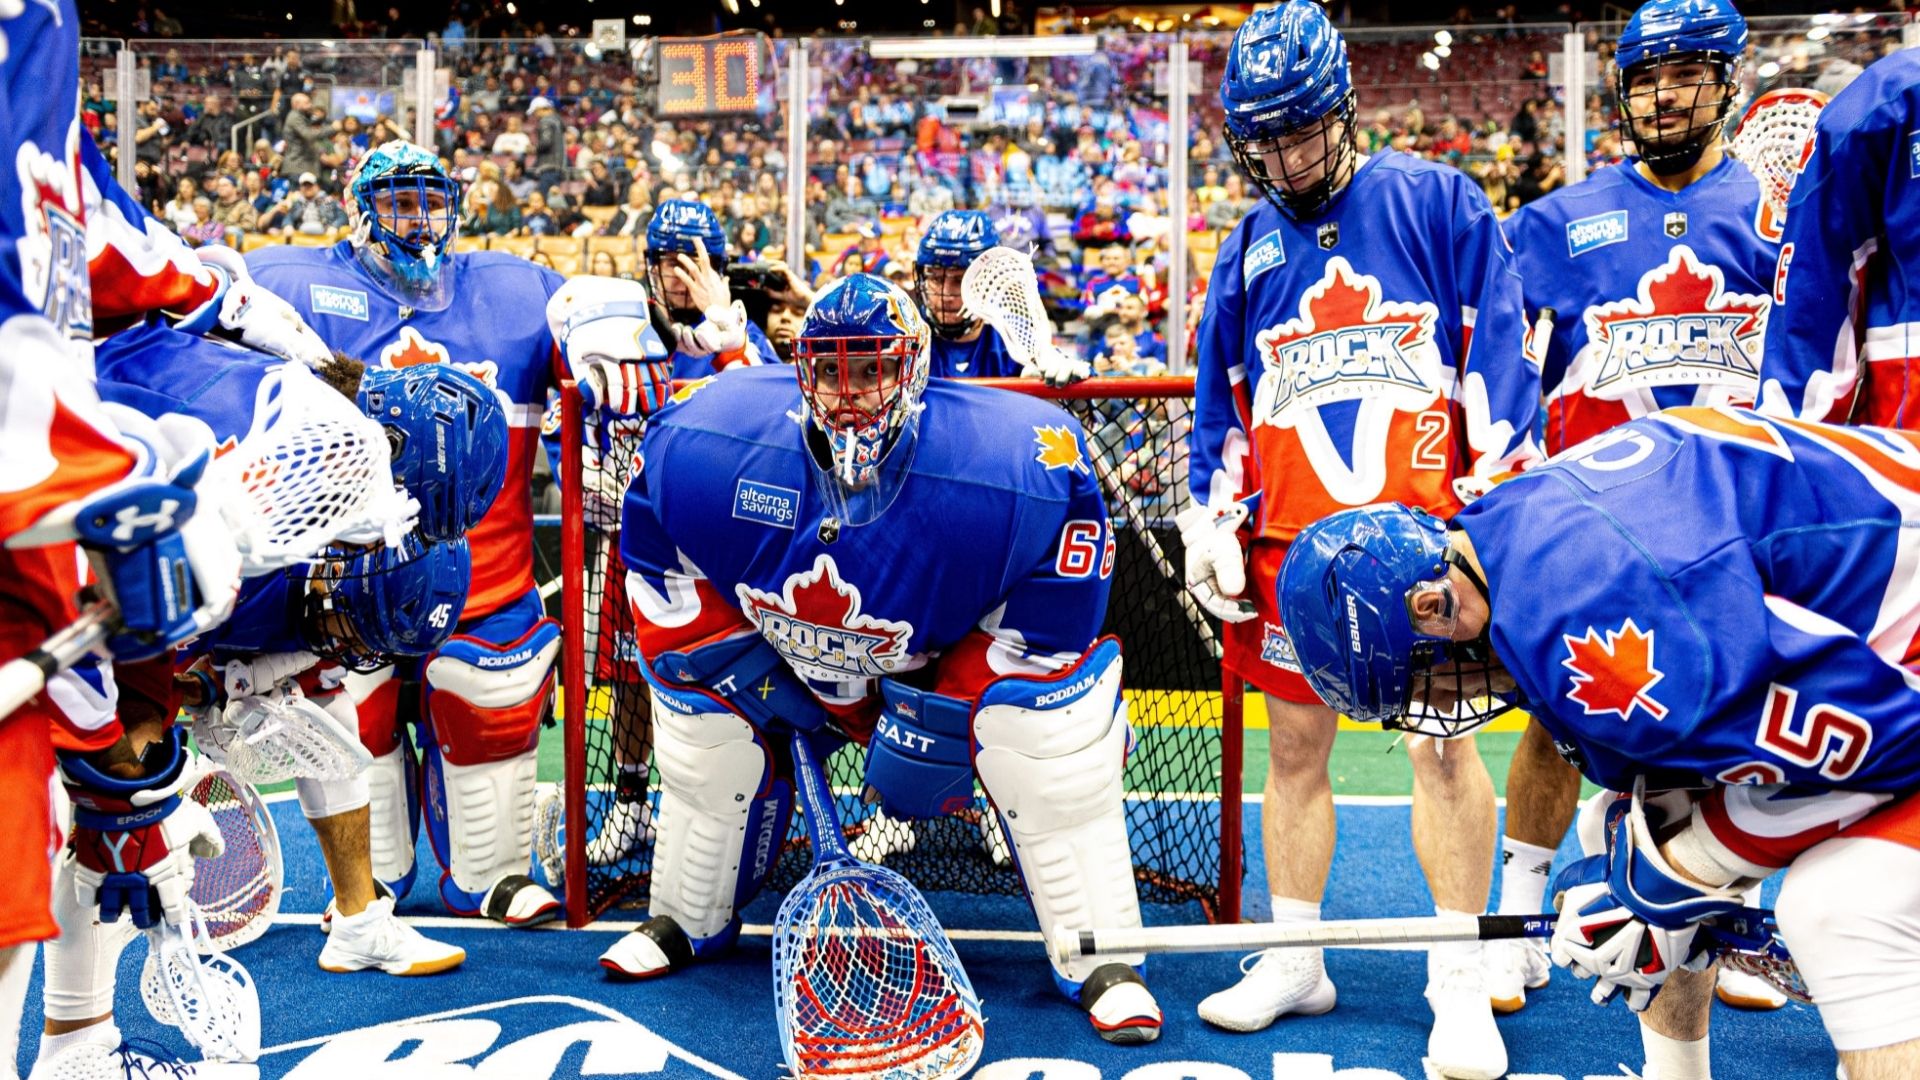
x,y
407,246
1265,164
364,605
943,289
1680,150
860,434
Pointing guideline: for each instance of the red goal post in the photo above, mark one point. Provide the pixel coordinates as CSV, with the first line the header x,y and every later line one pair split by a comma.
x,y
1184,774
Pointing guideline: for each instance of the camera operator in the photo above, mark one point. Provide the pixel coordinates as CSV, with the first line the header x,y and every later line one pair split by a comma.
x,y
776,300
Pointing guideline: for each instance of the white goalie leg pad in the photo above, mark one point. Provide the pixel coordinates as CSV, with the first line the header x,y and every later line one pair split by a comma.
x,y
486,702
713,778
83,961
1052,754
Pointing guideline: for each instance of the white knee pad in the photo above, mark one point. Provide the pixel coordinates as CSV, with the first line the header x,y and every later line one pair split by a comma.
x,y
1850,911
1052,755
330,798
83,960
714,769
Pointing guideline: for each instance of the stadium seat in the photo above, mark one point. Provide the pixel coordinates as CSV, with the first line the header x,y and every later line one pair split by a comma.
x,y
565,251
513,245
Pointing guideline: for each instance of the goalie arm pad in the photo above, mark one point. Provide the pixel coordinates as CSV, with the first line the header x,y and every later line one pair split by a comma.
x,y
749,675
920,759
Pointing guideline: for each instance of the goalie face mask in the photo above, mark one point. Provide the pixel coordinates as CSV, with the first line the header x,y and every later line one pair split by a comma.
x,y
861,359
406,216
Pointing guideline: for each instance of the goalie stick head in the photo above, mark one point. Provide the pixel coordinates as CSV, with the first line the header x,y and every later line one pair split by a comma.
x,y
1347,592
405,212
1288,96
861,358
448,438
364,606
954,239
1676,75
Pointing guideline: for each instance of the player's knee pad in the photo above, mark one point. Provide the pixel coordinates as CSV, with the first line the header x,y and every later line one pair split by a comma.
x,y
393,802
485,703
723,813
330,798
1052,751
81,963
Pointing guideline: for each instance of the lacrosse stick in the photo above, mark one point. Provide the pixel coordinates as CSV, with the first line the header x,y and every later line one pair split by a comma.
x,y
238,893
1774,141
212,1001
272,738
1000,287
21,679
1746,940
312,470
866,985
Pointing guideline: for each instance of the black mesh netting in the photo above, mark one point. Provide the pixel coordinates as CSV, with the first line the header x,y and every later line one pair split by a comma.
x,y
1172,676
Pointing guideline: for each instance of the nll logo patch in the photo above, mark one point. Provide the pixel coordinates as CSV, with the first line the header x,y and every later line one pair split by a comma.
x,y
1682,326
1347,343
815,622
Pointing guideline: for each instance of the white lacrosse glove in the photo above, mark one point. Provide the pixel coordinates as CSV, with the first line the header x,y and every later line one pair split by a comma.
x,y
1627,917
1058,368
723,329
257,316
264,673
623,389
1216,567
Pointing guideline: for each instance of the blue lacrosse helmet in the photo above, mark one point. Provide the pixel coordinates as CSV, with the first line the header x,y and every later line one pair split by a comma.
x,y
448,434
862,361
406,214
1675,33
954,239
675,225
397,600
1342,594
1286,81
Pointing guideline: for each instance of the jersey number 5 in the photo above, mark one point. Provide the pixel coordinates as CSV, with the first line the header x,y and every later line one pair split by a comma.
x,y
1828,738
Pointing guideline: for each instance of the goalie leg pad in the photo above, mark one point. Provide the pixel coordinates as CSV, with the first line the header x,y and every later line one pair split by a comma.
x,y
1052,751
485,703
82,962
723,813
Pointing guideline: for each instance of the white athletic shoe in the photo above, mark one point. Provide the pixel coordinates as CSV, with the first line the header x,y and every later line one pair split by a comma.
x,y
1515,966
1744,991
1278,982
883,837
380,892
1121,1008
92,1061
376,938
627,829
1465,1044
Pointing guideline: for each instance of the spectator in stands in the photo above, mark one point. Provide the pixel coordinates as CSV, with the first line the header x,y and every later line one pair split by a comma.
x,y
536,219
748,238
601,190
848,207
866,255
150,132
514,141
356,133
310,212
1115,278
549,143
213,128
606,264
254,191
171,68
1497,176
567,218
493,212
516,178
1378,135
146,183
1119,355
233,211
307,137
264,160
1131,312
632,217
1103,222
252,85
178,214
339,159
1544,173
203,229
1095,87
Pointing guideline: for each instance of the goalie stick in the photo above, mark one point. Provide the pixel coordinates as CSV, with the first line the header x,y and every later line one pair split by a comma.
x,y
1746,940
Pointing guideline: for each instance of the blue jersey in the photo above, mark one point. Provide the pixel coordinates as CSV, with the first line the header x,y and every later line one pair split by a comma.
x,y
1844,343
155,369
985,357
993,558
1660,297
1707,595
1374,353
495,329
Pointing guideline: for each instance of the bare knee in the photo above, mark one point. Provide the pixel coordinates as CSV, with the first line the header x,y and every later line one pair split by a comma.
x,y
1299,739
1445,767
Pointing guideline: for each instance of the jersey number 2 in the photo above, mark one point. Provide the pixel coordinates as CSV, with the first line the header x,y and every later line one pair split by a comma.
x,y
1431,451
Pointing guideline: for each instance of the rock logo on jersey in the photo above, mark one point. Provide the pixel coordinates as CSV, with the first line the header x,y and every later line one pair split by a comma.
x,y
1347,343
815,622
1682,326
53,253
1613,673
410,349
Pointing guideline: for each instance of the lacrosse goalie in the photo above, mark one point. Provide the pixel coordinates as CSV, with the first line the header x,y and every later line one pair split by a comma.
x,y
779,539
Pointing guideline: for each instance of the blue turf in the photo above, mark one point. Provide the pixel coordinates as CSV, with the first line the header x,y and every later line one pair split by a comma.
x,y
532,1005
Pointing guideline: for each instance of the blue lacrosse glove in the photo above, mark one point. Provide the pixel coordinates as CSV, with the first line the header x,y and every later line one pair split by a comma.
x,y
134,841
920,759
749,675
1628,918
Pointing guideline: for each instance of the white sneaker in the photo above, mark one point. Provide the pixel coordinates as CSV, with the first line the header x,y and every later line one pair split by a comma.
x,y
1744,991
380,892
1280,981
1515,966
92,1061
627,829
883,837
376,938
1464,1044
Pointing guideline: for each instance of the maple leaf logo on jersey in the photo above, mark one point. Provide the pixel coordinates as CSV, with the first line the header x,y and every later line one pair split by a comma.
x,y
1681,327
1347,343
1059,449
1614,674
412,350
815,622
